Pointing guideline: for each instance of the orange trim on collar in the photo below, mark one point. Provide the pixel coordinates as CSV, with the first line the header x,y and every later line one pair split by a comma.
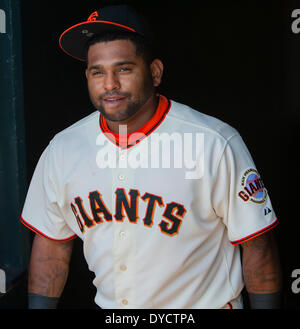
x,y
128,140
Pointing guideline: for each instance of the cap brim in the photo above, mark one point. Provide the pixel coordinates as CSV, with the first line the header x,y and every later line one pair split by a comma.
x,y
73,40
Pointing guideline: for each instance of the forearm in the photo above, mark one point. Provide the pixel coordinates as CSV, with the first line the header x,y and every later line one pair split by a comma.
x,y
49,267
261,269
261,266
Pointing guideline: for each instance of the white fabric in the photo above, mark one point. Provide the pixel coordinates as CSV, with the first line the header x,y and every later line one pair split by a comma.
x,y
142,266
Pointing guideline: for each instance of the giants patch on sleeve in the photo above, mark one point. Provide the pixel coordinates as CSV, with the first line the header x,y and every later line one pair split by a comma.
x,y
253,188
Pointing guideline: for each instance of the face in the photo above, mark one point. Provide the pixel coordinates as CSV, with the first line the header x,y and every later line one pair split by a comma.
x,y
119,81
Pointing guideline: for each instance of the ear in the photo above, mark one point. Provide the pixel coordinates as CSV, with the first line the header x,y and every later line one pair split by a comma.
x,y
86,73
157,68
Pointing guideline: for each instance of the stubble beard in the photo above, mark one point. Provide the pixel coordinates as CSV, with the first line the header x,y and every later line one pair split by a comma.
x,y
132,106
121,115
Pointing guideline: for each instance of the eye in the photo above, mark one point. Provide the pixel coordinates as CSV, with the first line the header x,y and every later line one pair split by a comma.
x,y
94,73
125,69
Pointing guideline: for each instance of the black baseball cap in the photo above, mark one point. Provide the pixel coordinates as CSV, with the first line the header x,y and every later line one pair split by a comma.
x,y
113,18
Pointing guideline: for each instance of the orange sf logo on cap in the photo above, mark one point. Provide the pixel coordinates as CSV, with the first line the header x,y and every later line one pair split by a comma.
x,y
93,16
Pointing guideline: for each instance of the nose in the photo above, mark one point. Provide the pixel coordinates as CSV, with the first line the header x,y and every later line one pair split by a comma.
x,y
111,82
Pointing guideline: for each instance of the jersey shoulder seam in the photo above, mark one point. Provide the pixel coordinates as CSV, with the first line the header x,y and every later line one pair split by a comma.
x,y
77,125
173,115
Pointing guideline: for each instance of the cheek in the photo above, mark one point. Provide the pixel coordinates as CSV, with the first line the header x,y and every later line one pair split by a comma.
x,y
94,88
137,84
128,81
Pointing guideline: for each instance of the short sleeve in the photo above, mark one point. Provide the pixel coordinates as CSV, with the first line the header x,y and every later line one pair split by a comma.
x,y
42,208
239,196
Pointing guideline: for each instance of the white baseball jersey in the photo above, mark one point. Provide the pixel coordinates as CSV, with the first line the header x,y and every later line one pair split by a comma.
x,y
161,212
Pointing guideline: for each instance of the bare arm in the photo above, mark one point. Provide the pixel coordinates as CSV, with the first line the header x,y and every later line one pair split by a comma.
x,y
261,266
49,266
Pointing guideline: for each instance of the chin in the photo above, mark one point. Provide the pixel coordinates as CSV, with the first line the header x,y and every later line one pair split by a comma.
x,y
115,117
119,115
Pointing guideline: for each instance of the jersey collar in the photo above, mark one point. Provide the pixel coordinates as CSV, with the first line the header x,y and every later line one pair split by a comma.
x,y
128,140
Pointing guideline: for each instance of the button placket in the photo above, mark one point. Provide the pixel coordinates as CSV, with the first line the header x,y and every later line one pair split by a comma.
x,y
124,245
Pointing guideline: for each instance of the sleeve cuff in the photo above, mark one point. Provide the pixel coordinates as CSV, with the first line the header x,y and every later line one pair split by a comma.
x,y
254,235
35,230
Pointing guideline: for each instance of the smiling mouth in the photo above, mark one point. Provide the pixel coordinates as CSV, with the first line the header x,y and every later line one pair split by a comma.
x,y
113,100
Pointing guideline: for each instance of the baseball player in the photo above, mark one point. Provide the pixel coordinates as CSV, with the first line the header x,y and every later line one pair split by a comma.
x,y
161,195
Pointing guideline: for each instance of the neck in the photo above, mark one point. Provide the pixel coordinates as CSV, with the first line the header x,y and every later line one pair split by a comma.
x,y
139,119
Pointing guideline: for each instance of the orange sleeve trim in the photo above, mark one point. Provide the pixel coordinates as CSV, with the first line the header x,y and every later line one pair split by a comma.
x,y
35,230
254,235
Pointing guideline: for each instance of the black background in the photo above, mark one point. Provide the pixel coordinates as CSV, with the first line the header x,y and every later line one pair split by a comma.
x,y
235,60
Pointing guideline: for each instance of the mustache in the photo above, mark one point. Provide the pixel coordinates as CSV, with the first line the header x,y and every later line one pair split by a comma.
x,y
113,93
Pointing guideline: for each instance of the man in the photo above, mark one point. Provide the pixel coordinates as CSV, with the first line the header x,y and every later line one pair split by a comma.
x,y
161,225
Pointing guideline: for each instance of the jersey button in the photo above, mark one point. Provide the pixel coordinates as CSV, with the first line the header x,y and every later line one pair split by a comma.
x,y
121,177
122,234
123,268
